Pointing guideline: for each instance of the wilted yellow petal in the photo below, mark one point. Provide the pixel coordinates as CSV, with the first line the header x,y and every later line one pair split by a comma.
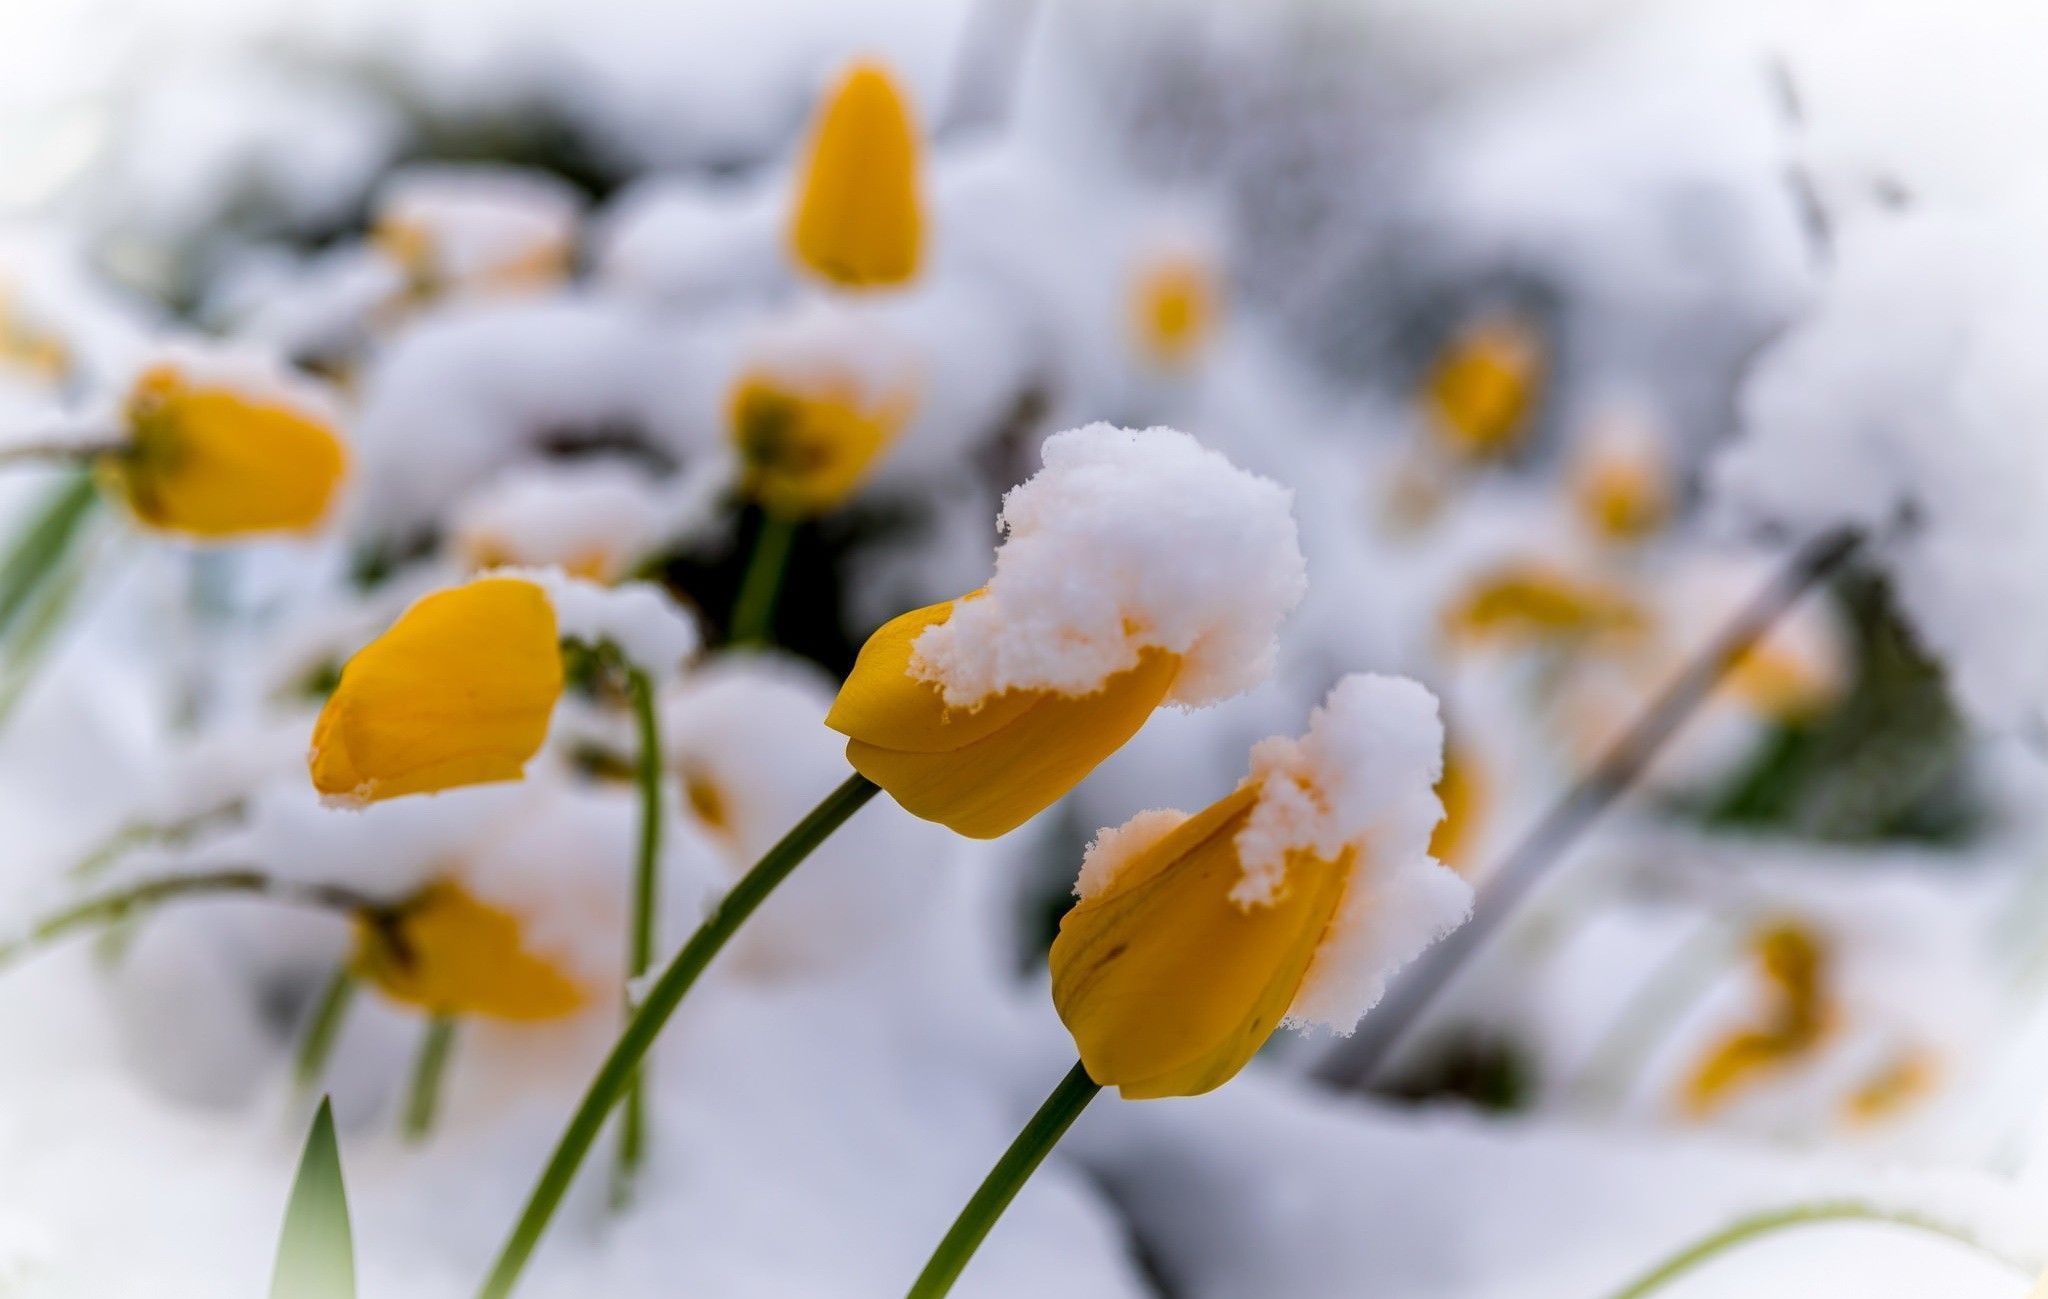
x,y
209,462
1173,310
859,219
802,453
1484,386
449,953
458,692
1168,986
982,771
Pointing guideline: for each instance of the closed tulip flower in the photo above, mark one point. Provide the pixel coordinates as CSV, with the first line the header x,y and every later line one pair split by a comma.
x,y
1138,569
450,953
804,446
213,458
859,220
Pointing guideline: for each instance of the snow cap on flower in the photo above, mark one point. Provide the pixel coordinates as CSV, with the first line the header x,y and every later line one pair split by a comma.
x,y
477,227
1126,541
592,520
225,443
1291,900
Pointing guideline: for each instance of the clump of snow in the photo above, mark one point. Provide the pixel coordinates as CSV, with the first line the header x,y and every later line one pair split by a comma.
x,y
1126,540
640,619
843,345
474,223
594,518
1362,779
1905,406
1117,846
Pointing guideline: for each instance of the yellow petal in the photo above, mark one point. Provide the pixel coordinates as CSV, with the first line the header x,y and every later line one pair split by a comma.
x,y
458,692
1168,986
984,771
859,220
1531,603
1484,386
1466,799
451,954
1622,498
803,453
211,463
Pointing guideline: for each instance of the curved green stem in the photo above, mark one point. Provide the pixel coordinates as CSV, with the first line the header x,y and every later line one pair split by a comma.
x,y
1744,1230
1003,1182
430,1068
640,944
324,1029
619,1068
118,904
753,614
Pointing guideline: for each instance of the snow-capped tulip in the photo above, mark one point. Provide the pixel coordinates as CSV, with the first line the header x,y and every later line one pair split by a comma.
x,y
1174,303
458,692
1289,901
476,229
985,770
804,448
448,952
1484,386
859,219
206,459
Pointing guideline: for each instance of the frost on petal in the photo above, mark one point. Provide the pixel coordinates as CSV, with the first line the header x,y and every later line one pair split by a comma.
x,y
1126,540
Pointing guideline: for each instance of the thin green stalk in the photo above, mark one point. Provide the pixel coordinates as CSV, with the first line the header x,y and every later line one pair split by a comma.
x,y
1003,1182
118,904
753,614
43,543
617,1072
430,1067
640,945
28,644
324,1029
1744,1230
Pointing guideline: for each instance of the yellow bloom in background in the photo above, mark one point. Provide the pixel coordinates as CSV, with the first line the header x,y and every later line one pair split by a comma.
x,y
1467,799
805,447
28,348
1483,389
1293,899
1623,493
1908,1077
859,219
1794,966
1532,603
449,953
476,229
1783,682
207,461
1168,986
458,692
982,771
1175,302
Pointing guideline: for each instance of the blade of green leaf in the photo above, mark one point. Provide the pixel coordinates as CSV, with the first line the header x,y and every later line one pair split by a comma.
x,y
44,541
315,1253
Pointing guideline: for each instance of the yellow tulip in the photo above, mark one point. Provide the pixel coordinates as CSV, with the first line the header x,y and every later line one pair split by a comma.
x,y
449,953
804,450
1622,496
1482,390
1174,306
458,692
1794,966
1170,986
206,461
1532,603
859,219
982,771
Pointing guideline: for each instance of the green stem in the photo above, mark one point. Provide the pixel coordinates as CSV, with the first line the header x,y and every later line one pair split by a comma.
x,y
1003,1182
43,543
1744,1230
616,1074
753,614
117,905
324,1029
423,1094
640,945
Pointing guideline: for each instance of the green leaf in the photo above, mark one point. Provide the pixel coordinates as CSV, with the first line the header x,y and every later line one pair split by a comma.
x,y
315,1254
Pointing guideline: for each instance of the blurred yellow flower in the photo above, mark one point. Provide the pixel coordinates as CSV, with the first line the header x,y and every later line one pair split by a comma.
x,y
1794,965
1529,603
1781,682
1169,984
1483,388
1467,801
28,348
449,953
1903,1081
859,218
1174,305
804,448
204,460
458,692
1622,494
982,771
